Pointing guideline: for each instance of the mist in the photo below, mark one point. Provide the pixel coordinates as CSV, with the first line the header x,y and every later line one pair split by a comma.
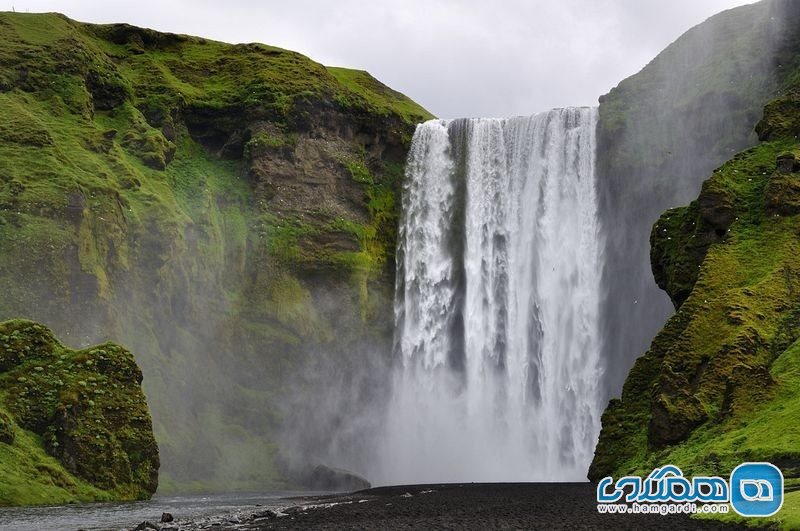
x,y
262,360
334,407
692,108
497,301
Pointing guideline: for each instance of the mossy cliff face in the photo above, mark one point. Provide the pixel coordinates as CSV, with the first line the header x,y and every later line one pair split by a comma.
x,y
228,211
720,384
660,134
74,425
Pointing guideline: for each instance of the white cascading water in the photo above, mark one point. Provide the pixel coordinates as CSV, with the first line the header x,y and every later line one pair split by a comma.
x,y
497,303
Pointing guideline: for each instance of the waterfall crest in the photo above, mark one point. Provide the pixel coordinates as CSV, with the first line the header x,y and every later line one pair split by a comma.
x,y
496,305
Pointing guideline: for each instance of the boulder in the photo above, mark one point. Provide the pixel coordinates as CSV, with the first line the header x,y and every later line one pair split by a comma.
x,y
323,477
786,163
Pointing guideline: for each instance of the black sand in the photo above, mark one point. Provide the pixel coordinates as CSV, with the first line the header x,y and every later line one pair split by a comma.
x,y
469,506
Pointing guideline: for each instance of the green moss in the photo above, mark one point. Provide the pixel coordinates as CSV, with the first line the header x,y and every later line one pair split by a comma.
x,y
364,91
780,117
764,431
29,476
359,172
263,141
720,384
80,426
734,195
146,143
128,209
283,240
729,321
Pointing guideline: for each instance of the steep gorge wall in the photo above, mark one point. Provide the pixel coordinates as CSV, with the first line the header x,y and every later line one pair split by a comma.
x,y
661,132
228,212
719,384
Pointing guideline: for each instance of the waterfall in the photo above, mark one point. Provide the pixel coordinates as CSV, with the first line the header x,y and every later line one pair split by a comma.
x,y
496,305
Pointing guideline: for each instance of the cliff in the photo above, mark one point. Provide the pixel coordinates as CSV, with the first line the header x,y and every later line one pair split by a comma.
x,y
719,385
227,211
660,134
74,425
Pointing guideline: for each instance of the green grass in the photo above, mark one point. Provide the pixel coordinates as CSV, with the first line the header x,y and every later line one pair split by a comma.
x,y
118,190
364,91
29,476
720,384
767,431
739,317
359,172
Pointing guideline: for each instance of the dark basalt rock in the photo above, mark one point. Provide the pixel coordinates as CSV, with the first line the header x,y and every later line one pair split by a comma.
x,y
781,117
787,163
782,195
674,417
108,91
6,429
323,477
267,513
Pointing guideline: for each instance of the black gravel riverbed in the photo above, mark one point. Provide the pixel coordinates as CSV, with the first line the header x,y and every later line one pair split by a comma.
x,y
467,506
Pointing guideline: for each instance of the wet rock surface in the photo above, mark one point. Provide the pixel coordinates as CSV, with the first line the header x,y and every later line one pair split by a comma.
x,y
326,478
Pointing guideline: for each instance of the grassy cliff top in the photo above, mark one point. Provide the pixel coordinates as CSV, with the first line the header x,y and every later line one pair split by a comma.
x,y
102,110
163,68
367,92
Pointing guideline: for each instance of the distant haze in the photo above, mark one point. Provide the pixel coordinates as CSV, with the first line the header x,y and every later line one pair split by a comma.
x,y
455,57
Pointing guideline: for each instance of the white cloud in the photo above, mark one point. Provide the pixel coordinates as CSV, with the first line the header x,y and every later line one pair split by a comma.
x,y
457,58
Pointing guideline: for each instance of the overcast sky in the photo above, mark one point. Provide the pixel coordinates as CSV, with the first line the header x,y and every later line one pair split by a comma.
x,y
457,58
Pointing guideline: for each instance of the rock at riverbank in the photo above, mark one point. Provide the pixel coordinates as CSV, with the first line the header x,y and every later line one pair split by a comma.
x,y
334,479
75,424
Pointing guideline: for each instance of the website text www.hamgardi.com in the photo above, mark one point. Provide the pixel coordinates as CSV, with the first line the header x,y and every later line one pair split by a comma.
x,y
753,490
663,509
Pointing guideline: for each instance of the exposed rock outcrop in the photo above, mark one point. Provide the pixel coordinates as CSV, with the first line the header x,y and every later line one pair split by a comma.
x,y
89,412
323,477
718,386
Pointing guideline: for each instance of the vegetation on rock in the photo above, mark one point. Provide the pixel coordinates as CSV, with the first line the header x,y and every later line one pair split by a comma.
x,y
660,133
74,425
186,197
720,384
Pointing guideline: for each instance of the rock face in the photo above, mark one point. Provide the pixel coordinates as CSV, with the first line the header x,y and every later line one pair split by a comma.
x,y
719,385
661,132
227,211
334,479
87,411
